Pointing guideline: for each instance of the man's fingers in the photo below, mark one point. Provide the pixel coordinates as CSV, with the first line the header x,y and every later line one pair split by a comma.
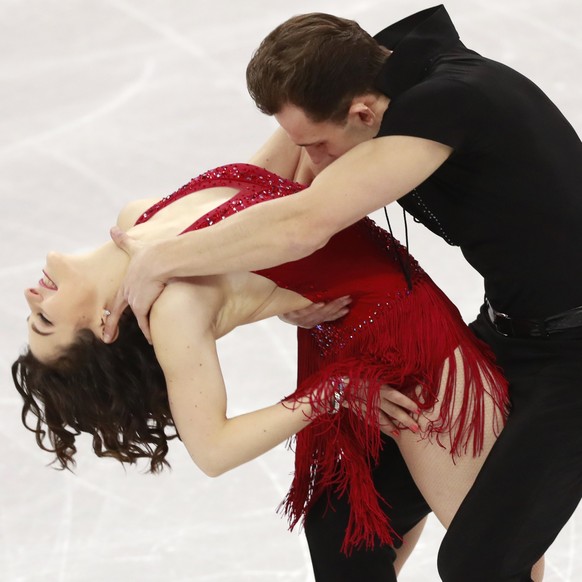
x,y
335,309
310,310
141,307
120,238
317,313
307,317
144,324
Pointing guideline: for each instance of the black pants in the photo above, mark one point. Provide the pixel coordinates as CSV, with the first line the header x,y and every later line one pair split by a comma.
x,y
531,482
528,488
326,524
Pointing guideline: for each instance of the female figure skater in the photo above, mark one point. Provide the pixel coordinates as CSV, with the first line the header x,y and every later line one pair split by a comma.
x,y
133,397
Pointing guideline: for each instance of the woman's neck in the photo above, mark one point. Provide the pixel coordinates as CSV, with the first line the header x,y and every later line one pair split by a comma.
x,y
107,265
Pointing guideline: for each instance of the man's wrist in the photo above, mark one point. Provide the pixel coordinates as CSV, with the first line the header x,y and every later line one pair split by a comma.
x,y
164,257
174,258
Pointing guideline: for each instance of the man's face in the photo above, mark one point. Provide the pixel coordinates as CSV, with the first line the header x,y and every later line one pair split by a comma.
x,y
323,141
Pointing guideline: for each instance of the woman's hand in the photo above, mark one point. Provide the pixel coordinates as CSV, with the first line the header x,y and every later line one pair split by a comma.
x,y
317,313
140,287
396,411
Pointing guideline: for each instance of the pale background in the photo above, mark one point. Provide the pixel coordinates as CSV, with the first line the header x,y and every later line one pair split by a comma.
x,y
105,101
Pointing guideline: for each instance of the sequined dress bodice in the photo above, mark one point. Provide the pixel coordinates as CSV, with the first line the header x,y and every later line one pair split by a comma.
x,y
361,261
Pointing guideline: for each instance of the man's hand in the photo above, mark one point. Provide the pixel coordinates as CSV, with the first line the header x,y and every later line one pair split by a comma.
x,y
318,313
139,289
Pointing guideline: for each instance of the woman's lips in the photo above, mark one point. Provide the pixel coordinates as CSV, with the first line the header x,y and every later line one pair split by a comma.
x,y
47,282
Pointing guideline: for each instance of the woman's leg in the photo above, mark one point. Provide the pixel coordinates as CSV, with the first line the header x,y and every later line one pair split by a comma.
x,y
532,480
325,527
444,480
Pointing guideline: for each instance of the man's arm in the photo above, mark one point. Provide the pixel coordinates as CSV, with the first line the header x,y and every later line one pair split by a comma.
x,y
371,175
365,179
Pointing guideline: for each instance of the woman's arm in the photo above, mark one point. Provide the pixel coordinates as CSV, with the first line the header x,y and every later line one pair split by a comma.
x,y
182,324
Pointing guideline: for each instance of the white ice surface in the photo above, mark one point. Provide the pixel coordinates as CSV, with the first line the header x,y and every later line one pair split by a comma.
x,y
103,101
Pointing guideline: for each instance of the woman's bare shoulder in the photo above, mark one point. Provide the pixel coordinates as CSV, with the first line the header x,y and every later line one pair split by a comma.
x,y
132,211
192,304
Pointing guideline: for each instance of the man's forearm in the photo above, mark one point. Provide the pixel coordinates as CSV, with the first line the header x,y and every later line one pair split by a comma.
x,y
262,236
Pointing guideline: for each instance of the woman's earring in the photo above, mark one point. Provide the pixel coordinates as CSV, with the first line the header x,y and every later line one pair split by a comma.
x,y
106,314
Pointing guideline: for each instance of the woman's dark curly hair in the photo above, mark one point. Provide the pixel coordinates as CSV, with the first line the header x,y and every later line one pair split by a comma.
x,y
115,392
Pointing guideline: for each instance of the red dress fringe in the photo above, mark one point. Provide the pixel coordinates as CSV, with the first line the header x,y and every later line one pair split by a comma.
x,y
390,336
406,344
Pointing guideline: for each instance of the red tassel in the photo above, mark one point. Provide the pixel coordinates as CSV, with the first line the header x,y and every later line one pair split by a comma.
x,y
407,344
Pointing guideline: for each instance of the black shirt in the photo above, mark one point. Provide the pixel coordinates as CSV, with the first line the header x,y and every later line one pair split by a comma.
x,y
510,195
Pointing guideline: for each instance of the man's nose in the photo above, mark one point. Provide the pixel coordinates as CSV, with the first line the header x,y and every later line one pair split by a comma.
x,y
322,160
316,154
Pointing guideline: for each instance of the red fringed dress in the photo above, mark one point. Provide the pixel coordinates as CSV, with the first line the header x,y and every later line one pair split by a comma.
x,y
394,334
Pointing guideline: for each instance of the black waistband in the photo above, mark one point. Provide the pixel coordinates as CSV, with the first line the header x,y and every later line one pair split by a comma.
x,y
516,327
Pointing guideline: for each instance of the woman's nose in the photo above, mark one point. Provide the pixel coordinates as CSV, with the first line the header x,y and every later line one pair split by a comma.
x,y
32,296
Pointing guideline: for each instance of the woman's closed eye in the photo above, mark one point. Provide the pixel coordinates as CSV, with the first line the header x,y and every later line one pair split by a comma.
x,y
44,319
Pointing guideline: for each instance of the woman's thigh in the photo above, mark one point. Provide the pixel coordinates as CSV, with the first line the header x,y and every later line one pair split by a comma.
x,y
443,479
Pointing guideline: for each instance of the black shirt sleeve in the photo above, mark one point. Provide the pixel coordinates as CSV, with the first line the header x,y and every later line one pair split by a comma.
x,y
445,111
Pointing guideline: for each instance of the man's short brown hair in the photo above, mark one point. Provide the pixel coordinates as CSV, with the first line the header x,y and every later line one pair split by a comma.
x,y
317,62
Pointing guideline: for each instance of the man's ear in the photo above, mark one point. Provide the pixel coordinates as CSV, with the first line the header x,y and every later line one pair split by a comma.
x,y
361,110
368,109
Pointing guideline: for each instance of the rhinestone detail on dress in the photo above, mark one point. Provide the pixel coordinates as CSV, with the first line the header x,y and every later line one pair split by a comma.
x,y
259,185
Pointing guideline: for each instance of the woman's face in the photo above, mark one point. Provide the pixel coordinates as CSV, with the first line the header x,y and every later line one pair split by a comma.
x,y
64,301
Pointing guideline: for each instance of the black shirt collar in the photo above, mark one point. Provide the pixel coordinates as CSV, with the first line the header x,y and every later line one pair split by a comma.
x,y
415,42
